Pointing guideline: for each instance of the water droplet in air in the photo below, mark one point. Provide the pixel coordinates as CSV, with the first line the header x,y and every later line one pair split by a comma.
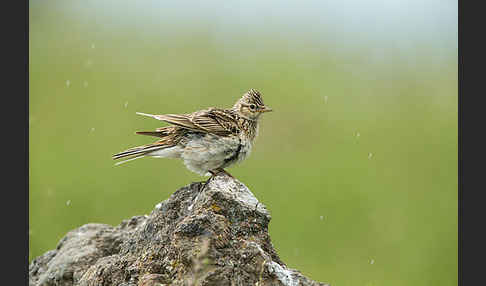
x,y
372,261
68,83
321,217
370,155
126,104
92,45
325,99
88,63
357,134
85,84
68,203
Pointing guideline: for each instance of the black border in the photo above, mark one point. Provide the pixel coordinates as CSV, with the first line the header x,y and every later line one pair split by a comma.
x,y
26,147
15,133
471,65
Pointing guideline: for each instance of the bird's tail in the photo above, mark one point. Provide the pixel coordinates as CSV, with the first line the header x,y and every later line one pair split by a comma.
x,y
128,160
167,141
138,152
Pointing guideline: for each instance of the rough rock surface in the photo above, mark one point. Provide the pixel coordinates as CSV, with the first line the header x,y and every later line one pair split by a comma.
x,y
212,235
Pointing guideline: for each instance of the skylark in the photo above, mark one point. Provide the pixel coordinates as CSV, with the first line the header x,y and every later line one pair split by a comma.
x,y
207,140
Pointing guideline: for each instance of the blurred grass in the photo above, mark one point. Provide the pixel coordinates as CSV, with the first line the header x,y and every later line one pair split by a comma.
x,y
340,215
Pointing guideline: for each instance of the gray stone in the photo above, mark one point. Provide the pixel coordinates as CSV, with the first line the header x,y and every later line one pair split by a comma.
x,y
212,235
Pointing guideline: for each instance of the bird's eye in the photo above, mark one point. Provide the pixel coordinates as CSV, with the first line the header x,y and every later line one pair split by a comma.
x,y
252,106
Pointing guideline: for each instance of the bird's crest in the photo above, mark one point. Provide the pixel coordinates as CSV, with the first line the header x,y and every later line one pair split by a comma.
x,y
254,96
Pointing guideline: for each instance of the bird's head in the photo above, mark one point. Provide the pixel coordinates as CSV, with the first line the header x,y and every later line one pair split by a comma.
x,y
250,105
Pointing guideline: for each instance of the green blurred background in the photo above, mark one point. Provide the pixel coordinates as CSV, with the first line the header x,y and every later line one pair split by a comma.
x,y
358,163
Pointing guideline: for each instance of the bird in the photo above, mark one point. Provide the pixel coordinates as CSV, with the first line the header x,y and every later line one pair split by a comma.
x,y
208,140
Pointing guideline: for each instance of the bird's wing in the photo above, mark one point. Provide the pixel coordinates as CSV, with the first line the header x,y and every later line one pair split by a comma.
x,y
169,133
216,121
181,120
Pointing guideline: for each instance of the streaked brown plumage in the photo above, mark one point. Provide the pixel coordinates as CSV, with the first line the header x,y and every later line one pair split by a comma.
x,y
207,140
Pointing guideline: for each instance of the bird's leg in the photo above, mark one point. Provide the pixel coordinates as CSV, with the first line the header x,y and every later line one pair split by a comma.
x,y
207,182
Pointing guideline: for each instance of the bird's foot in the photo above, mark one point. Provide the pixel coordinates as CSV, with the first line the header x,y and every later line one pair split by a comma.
x,y
221,170
214,173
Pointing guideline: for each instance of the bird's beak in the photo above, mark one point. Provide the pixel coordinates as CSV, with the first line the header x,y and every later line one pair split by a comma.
x,y
266,109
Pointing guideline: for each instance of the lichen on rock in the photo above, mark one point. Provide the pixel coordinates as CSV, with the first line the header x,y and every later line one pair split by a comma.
x,y
201,235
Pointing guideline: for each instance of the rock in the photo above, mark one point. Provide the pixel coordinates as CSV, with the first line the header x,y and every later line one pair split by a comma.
x,y
212,235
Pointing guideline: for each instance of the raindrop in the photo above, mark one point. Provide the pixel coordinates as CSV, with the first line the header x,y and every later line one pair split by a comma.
x,y
88,63
126,104
357,134
92,129
68,203
372,261
68,83
321,217
370,155
85,84
325,99
92,45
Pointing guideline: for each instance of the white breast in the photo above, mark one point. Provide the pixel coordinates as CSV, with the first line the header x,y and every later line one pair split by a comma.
x,y
210,152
